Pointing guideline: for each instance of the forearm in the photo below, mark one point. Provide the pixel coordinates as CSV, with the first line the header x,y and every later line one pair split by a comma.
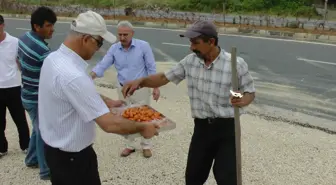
x,y
248,98
154,81
105,99
101,67
124,126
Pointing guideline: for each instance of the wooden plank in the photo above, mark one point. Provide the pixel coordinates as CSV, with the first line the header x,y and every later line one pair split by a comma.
x,y
236,115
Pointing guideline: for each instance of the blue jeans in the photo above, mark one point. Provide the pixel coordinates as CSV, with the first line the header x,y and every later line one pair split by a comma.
x,y
35,154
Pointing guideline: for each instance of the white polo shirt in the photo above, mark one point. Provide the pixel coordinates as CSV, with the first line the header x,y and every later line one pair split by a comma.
x,y
68,102
9,73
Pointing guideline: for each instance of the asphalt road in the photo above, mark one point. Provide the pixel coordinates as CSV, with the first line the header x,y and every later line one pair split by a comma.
x,y
296,76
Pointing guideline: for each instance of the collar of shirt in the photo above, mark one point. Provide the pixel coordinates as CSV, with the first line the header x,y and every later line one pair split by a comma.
x,y
8,38
70,53
219,57
133,44
34,34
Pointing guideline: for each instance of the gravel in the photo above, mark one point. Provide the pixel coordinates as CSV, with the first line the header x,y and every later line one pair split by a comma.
x,y
273,152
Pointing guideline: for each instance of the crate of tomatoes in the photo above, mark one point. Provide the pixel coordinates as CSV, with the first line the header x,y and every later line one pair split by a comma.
x,y
144,113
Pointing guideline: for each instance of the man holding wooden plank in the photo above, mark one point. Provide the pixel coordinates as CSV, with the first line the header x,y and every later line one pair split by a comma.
x,y
208,73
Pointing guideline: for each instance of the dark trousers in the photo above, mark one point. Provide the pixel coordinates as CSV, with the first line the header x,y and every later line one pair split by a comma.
x,y
213,141
11,98
72,168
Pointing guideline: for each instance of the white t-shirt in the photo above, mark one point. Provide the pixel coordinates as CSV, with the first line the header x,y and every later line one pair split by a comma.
x,y
9,73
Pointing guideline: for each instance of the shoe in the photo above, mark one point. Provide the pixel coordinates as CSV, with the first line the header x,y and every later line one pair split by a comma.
x,y
32,166
3,154
45,178
126,152
147,153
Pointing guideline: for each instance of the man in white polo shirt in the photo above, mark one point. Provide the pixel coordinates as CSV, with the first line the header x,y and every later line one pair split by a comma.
x,y
10,91
69,105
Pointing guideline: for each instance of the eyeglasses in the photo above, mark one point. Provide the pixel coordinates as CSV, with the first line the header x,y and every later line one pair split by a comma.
x,y
99,42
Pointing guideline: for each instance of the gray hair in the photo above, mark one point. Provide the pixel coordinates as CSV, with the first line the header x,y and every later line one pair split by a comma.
x,y
125,24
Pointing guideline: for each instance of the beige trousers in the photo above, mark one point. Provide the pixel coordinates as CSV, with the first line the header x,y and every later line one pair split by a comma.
x,y
142,95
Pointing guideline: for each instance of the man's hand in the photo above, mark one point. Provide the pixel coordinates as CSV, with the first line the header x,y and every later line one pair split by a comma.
x,y
114,103
236,102
93,75
130,87
149,130
156,94
242,102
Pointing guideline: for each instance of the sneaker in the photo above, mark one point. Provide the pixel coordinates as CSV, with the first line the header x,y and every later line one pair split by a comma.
x,y
3,154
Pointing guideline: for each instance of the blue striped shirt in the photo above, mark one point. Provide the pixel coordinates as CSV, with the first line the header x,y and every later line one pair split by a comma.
x,y
31,54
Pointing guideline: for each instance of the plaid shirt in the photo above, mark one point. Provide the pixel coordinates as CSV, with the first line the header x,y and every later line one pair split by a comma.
x,y
209,87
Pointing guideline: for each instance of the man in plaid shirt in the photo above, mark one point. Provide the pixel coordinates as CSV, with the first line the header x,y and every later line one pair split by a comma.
x,y
208,74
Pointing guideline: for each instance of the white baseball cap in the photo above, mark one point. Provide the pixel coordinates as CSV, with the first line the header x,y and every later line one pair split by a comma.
x,y
93,24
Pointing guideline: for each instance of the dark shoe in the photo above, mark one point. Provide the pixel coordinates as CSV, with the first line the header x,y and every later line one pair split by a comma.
x,y
126,152
147,153
32,165
45,178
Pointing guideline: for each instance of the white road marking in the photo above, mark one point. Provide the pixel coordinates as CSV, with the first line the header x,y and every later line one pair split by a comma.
x,y
315,61
166,56
277,39
27,29
228,35
255,75
174,44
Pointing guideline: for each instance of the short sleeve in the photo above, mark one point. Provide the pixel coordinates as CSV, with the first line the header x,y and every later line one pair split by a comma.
x,y
246,83
178,72
82,94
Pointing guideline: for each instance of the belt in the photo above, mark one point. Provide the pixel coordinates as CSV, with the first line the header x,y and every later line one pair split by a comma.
x,y
66,152
212,120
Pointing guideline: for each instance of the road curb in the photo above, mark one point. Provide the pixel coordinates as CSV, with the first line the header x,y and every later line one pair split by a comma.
x,y
221,30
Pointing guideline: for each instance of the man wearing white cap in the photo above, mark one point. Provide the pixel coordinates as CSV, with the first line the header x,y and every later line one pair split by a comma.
x,y
69,105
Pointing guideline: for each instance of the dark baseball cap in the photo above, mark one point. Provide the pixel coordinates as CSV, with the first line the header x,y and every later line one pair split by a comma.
x,y
1,19
206,28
